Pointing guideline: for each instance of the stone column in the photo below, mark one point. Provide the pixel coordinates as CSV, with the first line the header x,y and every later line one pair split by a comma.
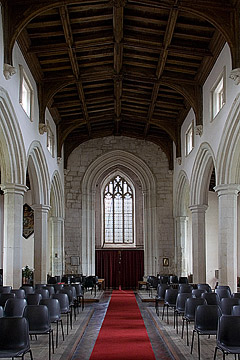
x,y
13,222
88,233
57,246
198,243
41,249
227,234
181,245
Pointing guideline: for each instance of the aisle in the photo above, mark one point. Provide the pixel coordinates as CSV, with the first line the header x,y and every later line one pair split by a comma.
x,y
123,334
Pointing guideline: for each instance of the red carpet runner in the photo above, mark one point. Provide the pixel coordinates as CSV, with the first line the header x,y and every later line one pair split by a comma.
x,y
123,334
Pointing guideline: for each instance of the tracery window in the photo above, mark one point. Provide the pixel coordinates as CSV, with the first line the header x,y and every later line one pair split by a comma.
x,y
118,212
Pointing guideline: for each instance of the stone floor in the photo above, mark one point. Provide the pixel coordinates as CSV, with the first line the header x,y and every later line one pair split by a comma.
x,y
81,339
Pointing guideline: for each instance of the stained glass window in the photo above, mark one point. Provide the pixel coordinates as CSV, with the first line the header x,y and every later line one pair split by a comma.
x,y
118,212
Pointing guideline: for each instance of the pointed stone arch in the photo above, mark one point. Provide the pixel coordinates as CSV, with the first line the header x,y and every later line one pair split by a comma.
x,y
94,172
38,173
202,170
13,156
228,159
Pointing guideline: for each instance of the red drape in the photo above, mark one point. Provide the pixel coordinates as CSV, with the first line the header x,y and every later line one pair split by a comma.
x,y
120,267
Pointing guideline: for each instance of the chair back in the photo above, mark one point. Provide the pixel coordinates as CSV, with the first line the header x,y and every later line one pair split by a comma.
x,y
183,280
58,287
19,293
190,307
69,294
206,287
185,288
197,292
14,307
5,289
161,291
173,279
28,289
211,298
63,301
226,305
171,296
4,297
38,318
53,306
14,334
1,312
51,289
73,289
223,293
206,318
236,295
33,299
44,292
79,289
163,279
228,334
181,300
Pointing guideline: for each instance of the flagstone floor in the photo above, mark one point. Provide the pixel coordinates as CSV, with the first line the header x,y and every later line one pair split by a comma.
x,y
88,323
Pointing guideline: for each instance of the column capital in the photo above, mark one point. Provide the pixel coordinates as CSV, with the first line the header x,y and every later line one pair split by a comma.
x,y
14,188
198,208
41,207
227,189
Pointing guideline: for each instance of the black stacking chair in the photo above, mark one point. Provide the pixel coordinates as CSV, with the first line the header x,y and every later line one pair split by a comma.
x,y
206,287
71,301
14,338
211,298
50,289
58,287
33,299
189,313
163,279
170,301
236,295
79,294
173,279
223,293
14,307
198,292
54,309
226,305
185,288
44,292
4,297
161,290
183,280
206,322
5,289
39,322
28,289
19,293
180,306
228,335
64,306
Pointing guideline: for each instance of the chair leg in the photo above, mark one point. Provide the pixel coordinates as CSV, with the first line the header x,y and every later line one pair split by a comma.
x,y
183,320
187,332
57,335
198,346
167,315
163,311
62,328
215,353
192,341
52,341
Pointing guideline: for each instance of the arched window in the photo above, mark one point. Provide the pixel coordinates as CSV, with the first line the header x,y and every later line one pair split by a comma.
x,y
118,212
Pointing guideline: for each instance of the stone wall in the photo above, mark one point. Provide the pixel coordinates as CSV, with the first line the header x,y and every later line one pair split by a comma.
x,y
156,160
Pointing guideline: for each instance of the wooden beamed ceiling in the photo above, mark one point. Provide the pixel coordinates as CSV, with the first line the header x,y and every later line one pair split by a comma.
x,y
119,67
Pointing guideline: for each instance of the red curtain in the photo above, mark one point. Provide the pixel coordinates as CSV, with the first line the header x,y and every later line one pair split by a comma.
x,y
120,267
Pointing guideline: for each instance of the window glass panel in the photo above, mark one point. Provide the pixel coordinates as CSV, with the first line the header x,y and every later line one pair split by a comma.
x,y
118,210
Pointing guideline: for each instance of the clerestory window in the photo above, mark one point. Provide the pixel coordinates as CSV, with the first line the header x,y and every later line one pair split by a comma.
x,y
118,212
